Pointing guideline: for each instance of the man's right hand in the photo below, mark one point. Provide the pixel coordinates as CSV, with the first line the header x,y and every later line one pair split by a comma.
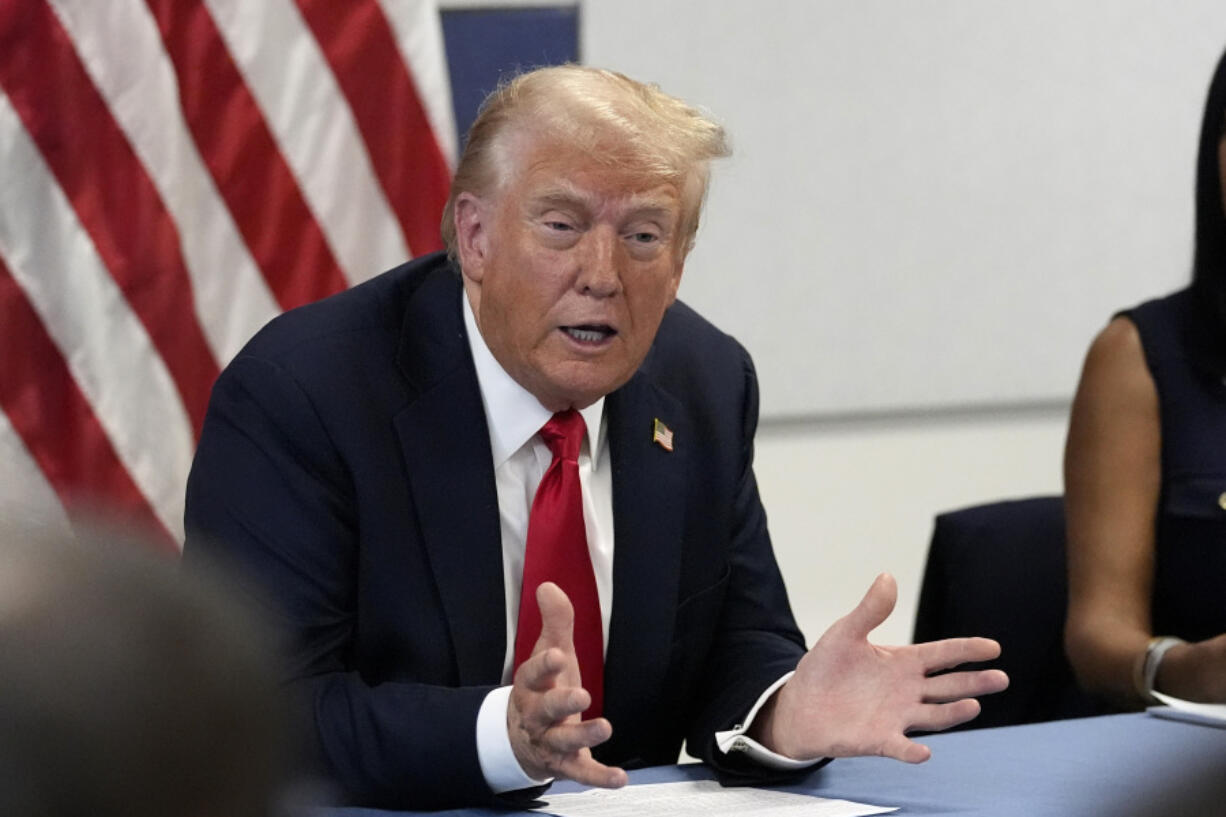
x,y
547,700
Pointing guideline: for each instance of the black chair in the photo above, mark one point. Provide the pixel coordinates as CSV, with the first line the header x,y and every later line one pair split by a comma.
x,y
998,571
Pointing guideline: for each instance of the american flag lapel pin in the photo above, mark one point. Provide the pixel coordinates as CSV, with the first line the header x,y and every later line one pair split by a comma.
x,y
661,434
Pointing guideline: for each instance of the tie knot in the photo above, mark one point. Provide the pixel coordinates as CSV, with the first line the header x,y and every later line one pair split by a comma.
x,y
564,433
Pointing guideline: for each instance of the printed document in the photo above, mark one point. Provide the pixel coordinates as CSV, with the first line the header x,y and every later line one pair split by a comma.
x,y
700,798
1177,709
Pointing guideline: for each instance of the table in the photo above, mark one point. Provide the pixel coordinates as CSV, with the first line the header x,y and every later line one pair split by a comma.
x,y
1133,764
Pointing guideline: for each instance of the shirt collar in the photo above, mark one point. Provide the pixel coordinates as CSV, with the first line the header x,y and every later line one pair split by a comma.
x,y
512,413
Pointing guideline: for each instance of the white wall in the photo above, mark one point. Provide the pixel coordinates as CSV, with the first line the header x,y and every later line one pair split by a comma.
x,y
920,189
847,499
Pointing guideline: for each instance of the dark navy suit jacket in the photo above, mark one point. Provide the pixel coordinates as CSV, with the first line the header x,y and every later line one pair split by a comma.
x,y
345,465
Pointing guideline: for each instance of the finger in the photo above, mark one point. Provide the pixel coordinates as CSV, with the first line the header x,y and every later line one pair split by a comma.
x,y
950,652
557,617
560,703
935,717
956,685
568,738
583,769
900,747
874,608
541,671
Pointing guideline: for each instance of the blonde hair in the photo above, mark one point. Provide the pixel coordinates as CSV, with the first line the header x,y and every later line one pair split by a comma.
x,y
613,119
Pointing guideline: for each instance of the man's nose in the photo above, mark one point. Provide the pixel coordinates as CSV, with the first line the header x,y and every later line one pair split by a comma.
x,y
600,264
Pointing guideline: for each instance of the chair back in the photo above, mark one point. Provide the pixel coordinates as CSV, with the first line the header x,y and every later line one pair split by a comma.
x,y
998,570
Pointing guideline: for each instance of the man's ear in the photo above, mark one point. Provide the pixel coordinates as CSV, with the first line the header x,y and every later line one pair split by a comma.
x,y
472,234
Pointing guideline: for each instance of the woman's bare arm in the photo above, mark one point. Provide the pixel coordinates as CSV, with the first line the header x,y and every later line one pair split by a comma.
x,y
1112,479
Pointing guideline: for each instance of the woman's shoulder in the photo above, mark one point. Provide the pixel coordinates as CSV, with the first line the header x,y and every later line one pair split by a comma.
x,y
1161,328
1116,363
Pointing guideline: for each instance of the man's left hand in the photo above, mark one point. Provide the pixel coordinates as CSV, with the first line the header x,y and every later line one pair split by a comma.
x,y
850,697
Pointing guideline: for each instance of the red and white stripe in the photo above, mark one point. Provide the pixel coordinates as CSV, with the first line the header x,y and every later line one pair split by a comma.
x,y
174,173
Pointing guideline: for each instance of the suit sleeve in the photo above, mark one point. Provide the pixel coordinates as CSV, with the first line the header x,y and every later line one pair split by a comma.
x,y
270,496
757,640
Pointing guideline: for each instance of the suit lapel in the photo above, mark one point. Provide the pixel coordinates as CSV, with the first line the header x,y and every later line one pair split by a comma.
x,y
648,515
445,442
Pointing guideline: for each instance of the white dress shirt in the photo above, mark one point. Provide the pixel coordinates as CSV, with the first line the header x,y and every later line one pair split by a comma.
x,y
521,457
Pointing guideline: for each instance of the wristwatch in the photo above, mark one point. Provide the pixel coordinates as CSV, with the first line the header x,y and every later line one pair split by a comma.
x,y
1146,669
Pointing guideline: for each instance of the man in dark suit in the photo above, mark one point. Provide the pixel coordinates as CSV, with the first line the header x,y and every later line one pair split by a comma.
x,y
373,460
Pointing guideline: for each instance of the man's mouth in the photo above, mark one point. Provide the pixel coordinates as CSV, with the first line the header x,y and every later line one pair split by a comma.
x,y
590,332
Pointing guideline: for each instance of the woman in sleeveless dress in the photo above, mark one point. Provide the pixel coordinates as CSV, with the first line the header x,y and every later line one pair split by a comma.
x,y
1145,476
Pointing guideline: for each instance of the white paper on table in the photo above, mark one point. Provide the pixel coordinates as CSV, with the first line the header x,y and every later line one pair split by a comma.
x,y
700,798
1181,710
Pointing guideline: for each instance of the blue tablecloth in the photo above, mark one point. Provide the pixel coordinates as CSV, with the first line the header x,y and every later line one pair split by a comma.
x,y
1112,765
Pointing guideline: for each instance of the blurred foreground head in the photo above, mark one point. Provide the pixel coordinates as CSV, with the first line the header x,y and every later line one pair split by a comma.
x,y
127,688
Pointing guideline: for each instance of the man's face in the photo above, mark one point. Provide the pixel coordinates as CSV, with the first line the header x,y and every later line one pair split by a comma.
x,y
569,268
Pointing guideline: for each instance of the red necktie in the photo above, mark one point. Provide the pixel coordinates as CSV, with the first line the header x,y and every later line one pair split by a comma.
x,y
556,551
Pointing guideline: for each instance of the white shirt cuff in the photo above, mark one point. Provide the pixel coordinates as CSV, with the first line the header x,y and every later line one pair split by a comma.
x,y
735,739
501,770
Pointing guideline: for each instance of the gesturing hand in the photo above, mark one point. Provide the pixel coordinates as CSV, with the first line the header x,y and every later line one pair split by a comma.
x,y
547,736
849,697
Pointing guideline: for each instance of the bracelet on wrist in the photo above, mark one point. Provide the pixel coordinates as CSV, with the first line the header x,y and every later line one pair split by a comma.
x,y
1145,671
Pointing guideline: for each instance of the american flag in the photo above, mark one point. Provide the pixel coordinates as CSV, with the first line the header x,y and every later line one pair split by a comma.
x,y
661,435
174,173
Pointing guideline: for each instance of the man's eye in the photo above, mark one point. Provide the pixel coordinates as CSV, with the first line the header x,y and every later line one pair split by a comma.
x,y
560,226
644,238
